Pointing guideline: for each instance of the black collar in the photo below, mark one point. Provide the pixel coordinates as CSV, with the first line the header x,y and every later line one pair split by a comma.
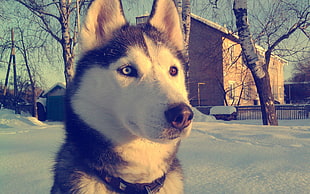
x,y
122,186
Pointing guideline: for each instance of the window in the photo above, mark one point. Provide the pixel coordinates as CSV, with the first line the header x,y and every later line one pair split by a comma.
x,y
246,92
231,89
141,19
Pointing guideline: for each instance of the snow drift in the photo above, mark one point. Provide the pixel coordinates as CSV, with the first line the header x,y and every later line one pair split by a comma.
x,y
218,157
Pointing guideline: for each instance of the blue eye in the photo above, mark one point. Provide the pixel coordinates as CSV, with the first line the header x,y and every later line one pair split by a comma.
x,y
128,70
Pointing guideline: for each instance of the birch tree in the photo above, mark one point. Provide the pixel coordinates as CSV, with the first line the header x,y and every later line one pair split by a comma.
x,y
184,9
60,18
284,20
259,69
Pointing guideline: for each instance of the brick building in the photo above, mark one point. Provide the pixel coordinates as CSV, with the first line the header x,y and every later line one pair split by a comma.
x,y
217,73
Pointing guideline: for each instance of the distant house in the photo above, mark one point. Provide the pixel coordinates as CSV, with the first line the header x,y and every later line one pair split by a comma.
x,y
217,74
297,92
51,103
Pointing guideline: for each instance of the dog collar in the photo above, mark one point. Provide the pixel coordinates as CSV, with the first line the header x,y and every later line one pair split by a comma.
x,y
122,186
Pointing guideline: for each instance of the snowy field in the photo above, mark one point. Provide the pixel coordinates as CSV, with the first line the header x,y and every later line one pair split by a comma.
x,y
219,157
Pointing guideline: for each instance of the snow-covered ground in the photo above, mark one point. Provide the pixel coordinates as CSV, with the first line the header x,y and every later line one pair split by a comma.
x,y
218,157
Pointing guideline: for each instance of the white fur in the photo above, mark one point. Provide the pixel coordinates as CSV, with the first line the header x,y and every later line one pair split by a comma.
x,y
134,106
146,159
92,185
94,33
130,111
168,22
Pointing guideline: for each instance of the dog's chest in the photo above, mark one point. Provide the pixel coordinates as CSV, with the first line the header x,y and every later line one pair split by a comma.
x,y
145,160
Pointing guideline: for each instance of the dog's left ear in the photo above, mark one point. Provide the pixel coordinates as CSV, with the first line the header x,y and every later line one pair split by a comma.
x,y
165,18
102,19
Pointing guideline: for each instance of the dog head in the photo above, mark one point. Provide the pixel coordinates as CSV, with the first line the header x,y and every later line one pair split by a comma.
x,y
130,81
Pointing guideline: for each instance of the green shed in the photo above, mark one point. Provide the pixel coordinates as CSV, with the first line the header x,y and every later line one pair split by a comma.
x,y
55,108
53,102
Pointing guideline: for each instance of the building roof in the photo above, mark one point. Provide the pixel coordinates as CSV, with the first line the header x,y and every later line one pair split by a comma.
x,y
224,30
211,24
196,17
59,84
291,83
230,34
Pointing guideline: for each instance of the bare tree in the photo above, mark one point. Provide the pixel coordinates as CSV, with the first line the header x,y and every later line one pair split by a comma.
x,y
23,47
29,44
279,23
65,15
184,9
302,72
25,54
298,89
285,19
258,70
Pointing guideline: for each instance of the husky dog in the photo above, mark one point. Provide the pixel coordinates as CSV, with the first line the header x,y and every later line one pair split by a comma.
x,y
127,108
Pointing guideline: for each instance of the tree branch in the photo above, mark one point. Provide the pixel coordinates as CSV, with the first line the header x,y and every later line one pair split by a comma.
x,y
240,10
295,27
37,10
41,14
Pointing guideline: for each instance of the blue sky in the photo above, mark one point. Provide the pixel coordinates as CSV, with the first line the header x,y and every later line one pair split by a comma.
x,y
222,15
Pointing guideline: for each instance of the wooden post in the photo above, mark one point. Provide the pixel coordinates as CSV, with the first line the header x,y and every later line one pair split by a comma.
x,y
9,69
12,59
6,83
7,77
14,73
34,111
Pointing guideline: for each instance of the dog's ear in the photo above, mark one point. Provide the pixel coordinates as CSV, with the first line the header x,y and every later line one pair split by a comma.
x,y
165,18
102,19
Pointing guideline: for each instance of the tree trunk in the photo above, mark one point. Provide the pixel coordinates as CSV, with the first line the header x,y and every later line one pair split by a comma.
x,y
15,101
186,18
258,69
66,43
178,4
65,8
68,62
184,10
266,99
34,111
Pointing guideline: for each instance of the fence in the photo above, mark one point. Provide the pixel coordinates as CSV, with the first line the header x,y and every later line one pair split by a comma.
x,y
284,112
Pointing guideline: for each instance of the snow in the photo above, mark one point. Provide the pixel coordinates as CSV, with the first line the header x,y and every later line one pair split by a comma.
x,y
218,157
215,110
200,117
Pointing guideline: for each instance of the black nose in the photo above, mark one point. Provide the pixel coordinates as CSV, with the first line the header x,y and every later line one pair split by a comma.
x,y
179,115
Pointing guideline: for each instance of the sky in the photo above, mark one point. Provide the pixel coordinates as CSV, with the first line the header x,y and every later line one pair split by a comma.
x,y
132,8
223,15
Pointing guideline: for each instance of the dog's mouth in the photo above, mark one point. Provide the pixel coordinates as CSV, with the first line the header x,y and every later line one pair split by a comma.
x,y
172,133
176,124
160,133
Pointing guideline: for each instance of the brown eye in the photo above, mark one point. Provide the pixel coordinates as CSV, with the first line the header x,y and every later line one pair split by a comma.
x,y
173,71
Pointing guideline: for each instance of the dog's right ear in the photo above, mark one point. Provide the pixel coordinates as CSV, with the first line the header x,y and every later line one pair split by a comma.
x,y
165,17
102,19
